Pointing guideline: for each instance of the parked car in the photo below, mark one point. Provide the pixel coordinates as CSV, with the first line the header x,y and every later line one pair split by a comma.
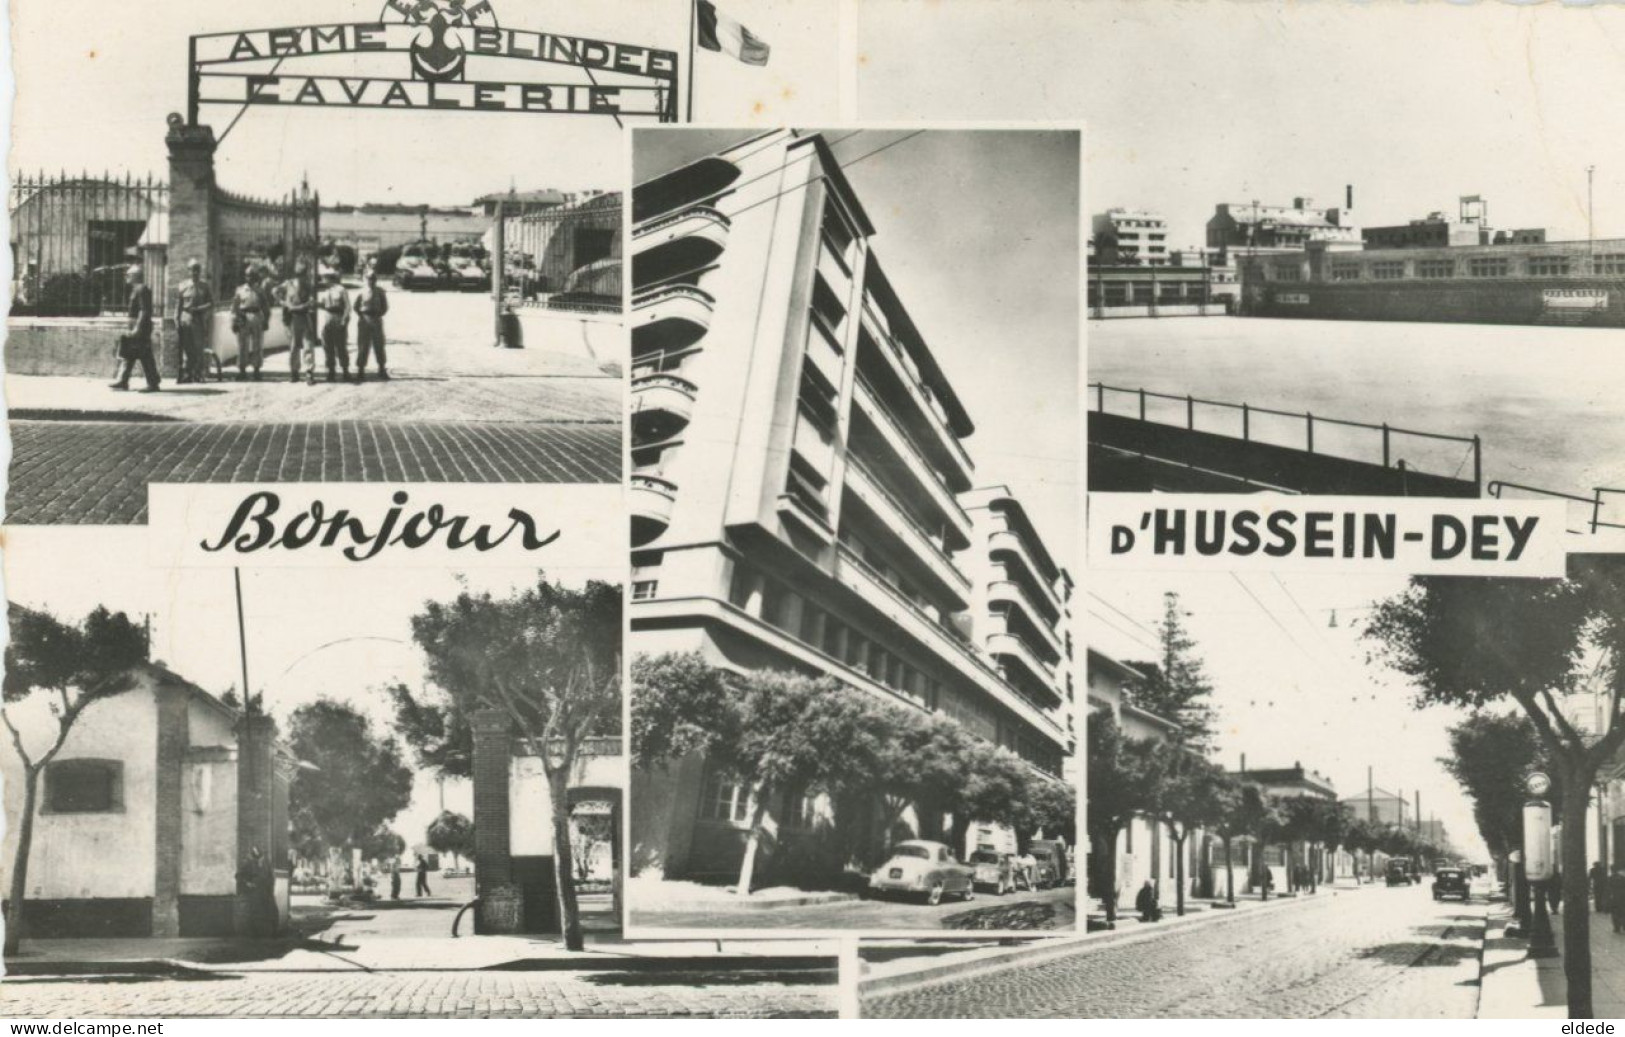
x,y
1452,882
923,868
1051,858
1399,872
995,871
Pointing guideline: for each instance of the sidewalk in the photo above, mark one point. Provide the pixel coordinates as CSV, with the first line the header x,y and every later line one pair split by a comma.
x,y
200,957
1513,985
891,966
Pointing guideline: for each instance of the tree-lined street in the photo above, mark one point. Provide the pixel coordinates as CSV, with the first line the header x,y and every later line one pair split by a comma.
x,y
1369,952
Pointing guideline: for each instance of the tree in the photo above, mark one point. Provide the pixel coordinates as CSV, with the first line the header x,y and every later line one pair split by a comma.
x,y
680,705
1332,831
354,783
1177,686
437,731
1471,642
1194,792
1259,817
382,844
549,659
1490,754
1123,778
451,833
1361,837
59,668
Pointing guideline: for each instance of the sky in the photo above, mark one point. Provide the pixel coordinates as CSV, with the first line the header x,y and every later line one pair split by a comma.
x,y
96,81
340,633
978,232
1289,686
1194,102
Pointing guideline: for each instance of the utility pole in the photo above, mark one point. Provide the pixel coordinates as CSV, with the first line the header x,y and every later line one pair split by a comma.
x,y
1591,225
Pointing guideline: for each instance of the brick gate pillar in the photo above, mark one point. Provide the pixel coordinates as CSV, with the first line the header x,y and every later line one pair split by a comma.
x,y
192,219
493,854
256,802
169,810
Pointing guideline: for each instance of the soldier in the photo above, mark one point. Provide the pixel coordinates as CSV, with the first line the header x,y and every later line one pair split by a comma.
x,y
248,311
298,315
370,306
137,345
194,306
334,302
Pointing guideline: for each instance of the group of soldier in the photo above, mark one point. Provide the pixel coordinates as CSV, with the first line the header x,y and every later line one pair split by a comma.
x,y
314,315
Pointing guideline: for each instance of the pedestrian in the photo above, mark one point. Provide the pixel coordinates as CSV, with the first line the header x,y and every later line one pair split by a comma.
x,y
1616,897
135,346
248,311
256,884
395,878
334,302
1598,877
1146,903
1029,868
298,316
370,306
194,310
423,877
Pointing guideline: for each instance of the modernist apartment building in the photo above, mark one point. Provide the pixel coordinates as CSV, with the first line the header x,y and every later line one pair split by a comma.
x,y
801,494
1252,227
1130,237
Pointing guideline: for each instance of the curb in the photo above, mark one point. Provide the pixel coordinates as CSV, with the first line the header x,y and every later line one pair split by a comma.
x,y
173,969
1068,946
746,907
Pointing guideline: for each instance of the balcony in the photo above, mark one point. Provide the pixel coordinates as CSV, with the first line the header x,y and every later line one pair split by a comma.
x,y
674,316
905,374
1030,671
677,243
1003,545
652,498
857,577
948,580
661,405
868,404
696,182
1013,594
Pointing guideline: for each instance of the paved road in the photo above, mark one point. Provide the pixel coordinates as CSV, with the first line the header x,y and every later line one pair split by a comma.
x,y
97,472
1379,952
1050,909
426,995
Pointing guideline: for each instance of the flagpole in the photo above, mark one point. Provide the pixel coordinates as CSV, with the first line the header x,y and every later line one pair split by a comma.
x,y
693,23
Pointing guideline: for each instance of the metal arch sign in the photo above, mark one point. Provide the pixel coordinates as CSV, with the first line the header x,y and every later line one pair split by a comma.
x,y
440,39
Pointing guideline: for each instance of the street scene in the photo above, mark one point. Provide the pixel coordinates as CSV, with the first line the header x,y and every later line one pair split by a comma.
x,y
373,829
852,685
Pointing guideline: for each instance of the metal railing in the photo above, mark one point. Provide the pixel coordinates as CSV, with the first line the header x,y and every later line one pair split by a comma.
x,y
1310,423
673,218
568,258
1594,503
73,237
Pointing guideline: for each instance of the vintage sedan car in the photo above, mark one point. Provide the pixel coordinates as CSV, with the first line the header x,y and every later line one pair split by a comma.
x,y
1398,872
995,871
1051,858
1452,882
919,867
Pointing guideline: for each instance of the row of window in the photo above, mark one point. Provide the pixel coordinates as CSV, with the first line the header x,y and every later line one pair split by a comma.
x,y
1611,265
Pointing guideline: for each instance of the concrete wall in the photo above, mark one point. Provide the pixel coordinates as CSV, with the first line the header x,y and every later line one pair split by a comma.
x,y
87,347
76,856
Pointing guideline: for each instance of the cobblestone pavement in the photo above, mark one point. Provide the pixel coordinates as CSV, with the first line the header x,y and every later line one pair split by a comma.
x,y
553,994
867,915
97,472
1383,953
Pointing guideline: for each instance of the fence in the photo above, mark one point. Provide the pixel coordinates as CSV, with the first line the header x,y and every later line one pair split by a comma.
x,y
73,237
1585,513
568,258
263,232
1311,433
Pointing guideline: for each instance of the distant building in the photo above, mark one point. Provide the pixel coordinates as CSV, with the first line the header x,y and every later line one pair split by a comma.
x,y
1130,237
1254,228
517,203
371,228
1435,230
1380,807
144,816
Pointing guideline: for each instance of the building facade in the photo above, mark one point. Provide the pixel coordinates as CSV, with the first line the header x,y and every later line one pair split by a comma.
x,y
1130,237
1251,228
146,813
800,489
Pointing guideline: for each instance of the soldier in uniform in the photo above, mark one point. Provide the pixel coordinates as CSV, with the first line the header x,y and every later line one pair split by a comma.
x,y
298,315
194,306
334,302
248,312
138,339
370,306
